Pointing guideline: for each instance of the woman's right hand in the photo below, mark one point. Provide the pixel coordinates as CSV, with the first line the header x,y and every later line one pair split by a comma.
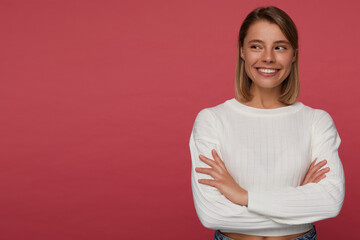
x,y
315,175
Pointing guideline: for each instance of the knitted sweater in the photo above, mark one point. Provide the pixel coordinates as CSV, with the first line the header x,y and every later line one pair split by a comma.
x,y
268,153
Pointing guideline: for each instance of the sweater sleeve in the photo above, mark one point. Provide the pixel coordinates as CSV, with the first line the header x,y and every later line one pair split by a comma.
x,y
214,210
313,201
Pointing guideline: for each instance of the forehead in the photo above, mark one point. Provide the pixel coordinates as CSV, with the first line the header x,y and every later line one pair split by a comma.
x,y
264,31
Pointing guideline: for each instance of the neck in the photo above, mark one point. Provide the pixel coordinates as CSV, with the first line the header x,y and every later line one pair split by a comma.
x,y
265,97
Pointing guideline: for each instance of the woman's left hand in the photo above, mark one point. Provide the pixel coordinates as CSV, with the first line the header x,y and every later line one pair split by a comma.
x,y
222,180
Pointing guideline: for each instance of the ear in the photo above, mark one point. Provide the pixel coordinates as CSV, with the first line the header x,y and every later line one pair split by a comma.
x,y
295,54
242,55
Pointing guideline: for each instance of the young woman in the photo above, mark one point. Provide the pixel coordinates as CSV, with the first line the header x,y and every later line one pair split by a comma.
x,y
259,160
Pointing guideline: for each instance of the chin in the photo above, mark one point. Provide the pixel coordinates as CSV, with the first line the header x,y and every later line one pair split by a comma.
x,y
268,85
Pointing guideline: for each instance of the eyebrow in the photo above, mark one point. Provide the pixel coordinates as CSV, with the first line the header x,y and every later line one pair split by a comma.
x,y
276,42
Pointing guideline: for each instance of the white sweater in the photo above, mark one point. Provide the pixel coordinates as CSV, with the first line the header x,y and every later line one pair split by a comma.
x,y
267,152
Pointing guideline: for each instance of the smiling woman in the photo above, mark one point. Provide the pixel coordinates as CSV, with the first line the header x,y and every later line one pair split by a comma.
x,y
255,173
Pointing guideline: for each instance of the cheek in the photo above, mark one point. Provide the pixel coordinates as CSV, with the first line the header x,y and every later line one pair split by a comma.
x,y
251,59
248,68
286,61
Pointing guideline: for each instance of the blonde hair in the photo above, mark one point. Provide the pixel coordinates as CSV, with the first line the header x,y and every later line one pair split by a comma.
x,y
290,87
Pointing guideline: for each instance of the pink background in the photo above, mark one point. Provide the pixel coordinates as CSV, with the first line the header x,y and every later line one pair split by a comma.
x,y
98,98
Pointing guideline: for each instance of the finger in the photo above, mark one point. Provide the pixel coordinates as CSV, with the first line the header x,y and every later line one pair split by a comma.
x,y
318,179
209,182
321,172
206,160
208,171
305,180
316,167
322,163
311,171
308,174
313,162
314,175
217,158
324,170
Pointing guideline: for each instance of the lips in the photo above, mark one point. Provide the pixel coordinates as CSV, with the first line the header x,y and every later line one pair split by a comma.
x,y
267,72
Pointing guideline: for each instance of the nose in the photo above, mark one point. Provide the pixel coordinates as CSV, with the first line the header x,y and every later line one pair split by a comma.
x,y
268,56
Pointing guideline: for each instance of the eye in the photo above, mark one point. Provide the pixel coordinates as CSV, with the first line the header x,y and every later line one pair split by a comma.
x,y
255,46
280,47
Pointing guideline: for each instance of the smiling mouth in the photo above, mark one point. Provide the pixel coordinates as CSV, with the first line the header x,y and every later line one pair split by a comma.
x,y
267,70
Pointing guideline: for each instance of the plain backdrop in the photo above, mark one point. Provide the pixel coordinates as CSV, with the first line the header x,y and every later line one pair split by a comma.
x,y
98,99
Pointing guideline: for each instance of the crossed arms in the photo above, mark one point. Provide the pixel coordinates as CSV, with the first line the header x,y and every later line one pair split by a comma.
x,y
222,205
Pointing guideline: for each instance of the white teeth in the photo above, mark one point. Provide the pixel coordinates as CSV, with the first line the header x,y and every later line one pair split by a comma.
x,y
264,70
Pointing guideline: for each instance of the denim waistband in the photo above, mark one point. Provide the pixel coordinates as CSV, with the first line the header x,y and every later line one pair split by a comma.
x,y
311,235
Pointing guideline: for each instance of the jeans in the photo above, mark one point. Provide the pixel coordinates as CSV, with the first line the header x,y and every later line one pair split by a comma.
x,y
307,236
